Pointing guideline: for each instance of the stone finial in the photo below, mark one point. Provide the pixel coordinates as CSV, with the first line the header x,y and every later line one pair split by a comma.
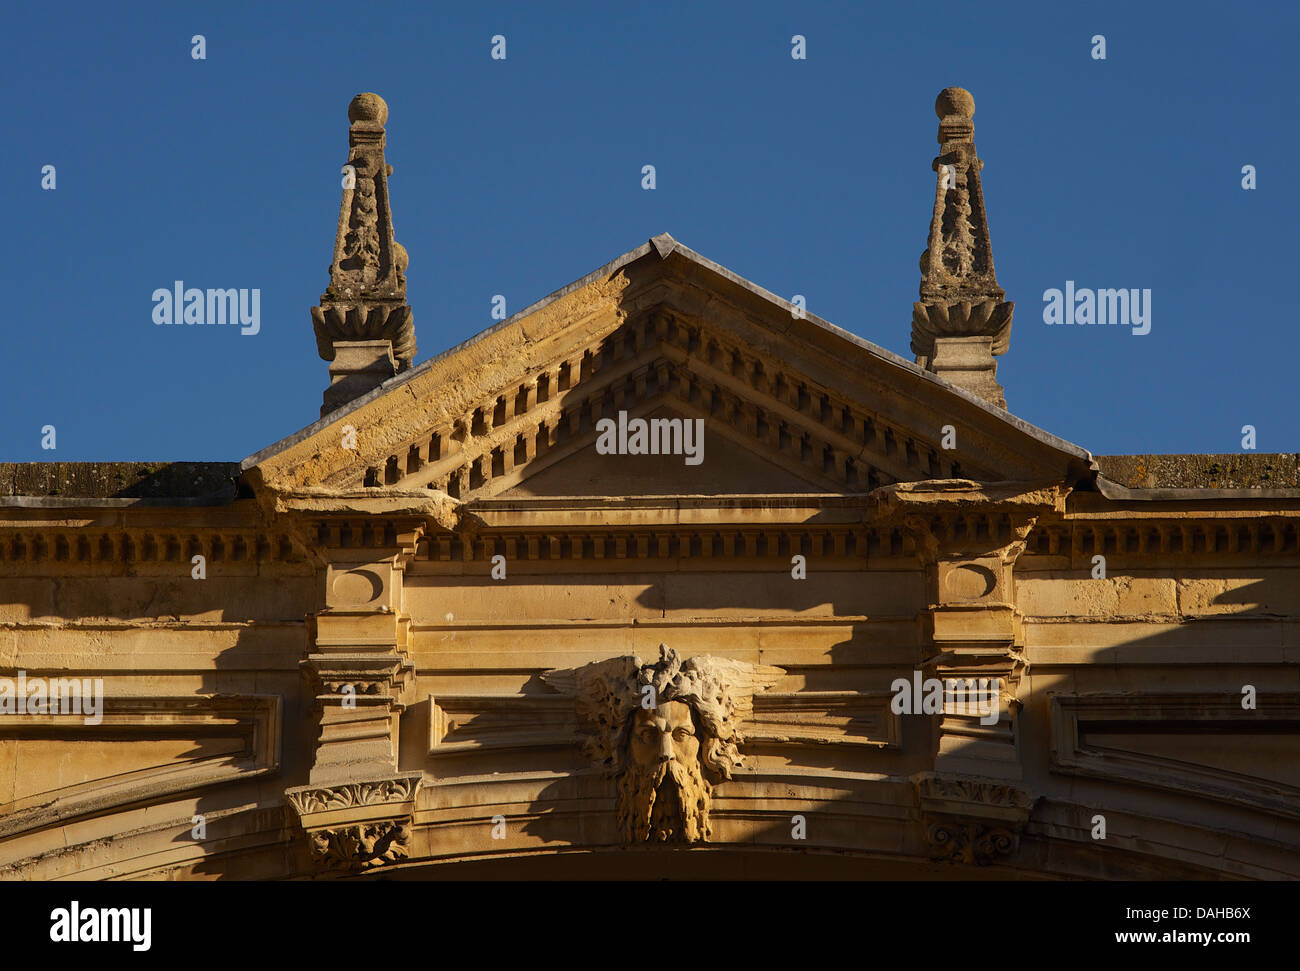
x,y
363,324
961,321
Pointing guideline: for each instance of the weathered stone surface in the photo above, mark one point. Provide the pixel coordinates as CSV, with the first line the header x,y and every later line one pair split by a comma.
x,y
961,321
668,732
1244,470
120,480
363,324
367,659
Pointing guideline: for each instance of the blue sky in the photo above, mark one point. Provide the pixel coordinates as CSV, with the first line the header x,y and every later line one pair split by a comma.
x,y
519,176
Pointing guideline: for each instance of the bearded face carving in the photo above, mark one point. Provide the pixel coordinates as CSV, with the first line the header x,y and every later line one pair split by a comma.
x,y
662,793
668,732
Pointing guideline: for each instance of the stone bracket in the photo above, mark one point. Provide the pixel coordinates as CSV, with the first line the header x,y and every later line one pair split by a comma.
x,y
360,824
971,821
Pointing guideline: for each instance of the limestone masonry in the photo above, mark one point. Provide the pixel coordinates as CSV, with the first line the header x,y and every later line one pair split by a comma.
x,y
470,623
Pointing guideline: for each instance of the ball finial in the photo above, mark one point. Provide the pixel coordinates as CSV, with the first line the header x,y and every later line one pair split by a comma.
x,y
954,101
368,107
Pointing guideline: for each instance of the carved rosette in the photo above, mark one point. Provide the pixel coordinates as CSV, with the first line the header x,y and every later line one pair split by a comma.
x,y
357,825
971,821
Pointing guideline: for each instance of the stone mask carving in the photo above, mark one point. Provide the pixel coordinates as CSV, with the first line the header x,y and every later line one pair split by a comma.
x,y
668,732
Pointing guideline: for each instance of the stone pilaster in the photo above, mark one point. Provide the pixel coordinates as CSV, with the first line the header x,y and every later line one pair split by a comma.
x,y
359,660
357,806
969,536
357,809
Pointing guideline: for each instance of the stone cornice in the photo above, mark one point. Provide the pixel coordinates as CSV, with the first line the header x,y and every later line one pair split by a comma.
x,y
885,522
430,507
960,517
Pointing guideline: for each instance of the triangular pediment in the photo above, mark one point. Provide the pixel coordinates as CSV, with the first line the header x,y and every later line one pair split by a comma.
x,y
789,403
717,464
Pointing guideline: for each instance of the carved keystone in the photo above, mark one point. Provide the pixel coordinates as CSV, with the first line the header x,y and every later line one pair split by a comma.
x,y
667,731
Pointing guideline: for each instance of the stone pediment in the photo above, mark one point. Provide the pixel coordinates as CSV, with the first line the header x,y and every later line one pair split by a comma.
x,y
786,402
726,464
